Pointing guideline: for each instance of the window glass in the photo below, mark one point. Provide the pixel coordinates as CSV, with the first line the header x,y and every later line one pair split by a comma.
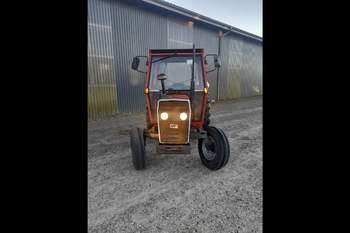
x,y
178,71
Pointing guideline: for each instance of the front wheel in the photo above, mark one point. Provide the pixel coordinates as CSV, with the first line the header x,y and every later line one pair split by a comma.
x,y
214,150
137,148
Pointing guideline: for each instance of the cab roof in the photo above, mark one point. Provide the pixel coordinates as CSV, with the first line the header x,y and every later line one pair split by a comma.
x,y
166,51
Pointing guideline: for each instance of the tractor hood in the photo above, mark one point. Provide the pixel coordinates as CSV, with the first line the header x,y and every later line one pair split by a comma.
x,y
175,96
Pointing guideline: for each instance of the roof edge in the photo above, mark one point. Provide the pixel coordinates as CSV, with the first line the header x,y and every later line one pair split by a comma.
x,y
202,18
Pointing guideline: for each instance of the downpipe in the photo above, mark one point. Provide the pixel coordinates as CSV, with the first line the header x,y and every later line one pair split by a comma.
x,y
221,35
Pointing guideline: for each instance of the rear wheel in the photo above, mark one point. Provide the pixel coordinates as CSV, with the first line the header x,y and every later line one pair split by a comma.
x,y
214,150
137,148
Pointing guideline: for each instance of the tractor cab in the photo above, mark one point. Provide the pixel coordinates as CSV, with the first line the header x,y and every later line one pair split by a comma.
x,y
169,75
176,91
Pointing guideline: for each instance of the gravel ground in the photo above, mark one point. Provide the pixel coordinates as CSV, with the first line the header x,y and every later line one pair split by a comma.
x,y
176,193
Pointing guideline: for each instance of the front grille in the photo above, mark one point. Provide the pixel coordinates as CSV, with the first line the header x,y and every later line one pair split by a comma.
x,y
174,130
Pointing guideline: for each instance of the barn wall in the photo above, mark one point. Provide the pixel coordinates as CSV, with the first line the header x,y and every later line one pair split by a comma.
x,y
119,30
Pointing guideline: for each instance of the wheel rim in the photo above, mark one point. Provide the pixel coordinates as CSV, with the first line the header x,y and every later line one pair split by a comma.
x,y
209,148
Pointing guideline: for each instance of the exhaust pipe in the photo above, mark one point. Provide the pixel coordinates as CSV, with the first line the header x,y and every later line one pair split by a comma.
x,y
192,78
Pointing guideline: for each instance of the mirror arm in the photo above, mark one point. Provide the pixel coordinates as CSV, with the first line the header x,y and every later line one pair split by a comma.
x,y
215,58
211,70
142,56
213,55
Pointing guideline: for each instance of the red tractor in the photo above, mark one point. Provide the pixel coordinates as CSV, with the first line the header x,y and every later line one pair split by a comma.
x,y
176,94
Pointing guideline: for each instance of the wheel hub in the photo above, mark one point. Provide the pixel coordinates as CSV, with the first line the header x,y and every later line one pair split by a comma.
x,y
208,148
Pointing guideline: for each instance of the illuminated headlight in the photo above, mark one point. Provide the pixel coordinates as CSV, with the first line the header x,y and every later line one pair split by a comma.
x,y
183,116
164,116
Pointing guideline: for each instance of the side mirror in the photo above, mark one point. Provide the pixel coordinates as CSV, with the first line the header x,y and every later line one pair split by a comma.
x,y
217,62
135,63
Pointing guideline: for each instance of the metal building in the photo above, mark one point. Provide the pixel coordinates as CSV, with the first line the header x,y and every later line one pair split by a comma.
x,y
118,30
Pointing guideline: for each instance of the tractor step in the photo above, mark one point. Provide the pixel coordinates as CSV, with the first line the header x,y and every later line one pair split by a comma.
x,y
174,149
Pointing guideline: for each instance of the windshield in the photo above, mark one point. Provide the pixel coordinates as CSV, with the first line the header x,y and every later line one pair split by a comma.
x,y
178,71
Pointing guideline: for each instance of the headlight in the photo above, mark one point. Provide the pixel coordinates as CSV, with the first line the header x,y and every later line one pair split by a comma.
x,y
164,116
183,116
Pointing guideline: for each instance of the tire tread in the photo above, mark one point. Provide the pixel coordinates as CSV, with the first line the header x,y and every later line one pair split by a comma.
x,y
137,148
223,149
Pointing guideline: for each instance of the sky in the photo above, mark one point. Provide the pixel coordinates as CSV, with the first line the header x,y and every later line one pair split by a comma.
x,y
242,14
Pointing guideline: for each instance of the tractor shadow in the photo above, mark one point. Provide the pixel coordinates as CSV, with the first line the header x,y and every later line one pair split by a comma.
x,y
179,164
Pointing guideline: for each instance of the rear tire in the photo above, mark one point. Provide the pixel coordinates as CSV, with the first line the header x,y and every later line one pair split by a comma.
x,y
214,150
137,148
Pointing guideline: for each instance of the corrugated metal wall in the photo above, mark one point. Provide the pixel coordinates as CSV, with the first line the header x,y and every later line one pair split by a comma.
x,y
241,72
180,33
135,31
101,63
118,31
